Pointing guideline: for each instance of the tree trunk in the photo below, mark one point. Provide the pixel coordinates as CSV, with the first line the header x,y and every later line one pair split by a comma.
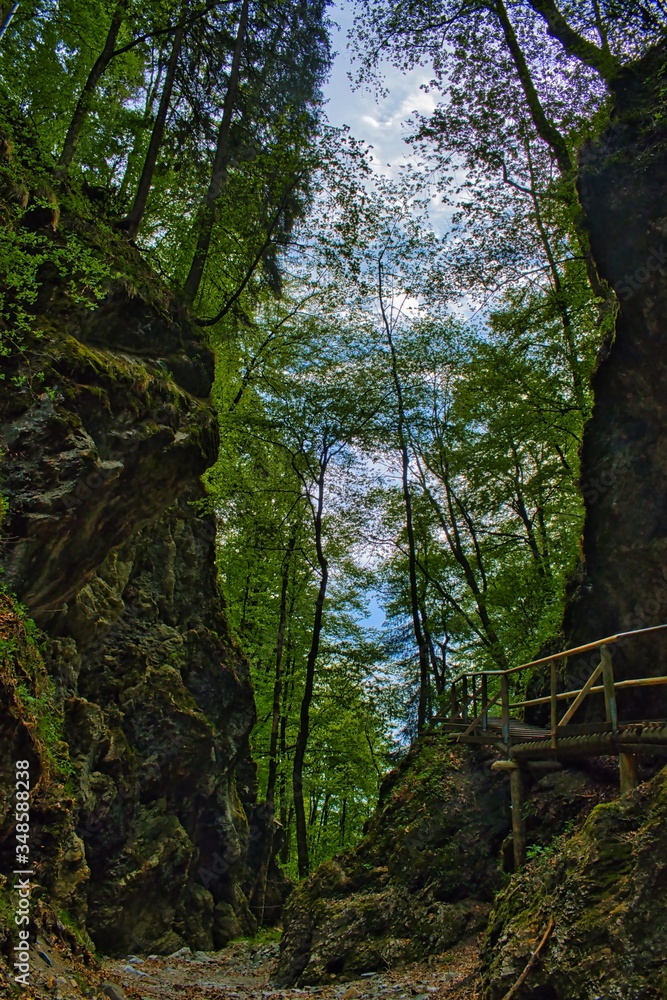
x,y
135,153
206,216
84,103
285,808
133,219
304,718
6,15
258,891
422,644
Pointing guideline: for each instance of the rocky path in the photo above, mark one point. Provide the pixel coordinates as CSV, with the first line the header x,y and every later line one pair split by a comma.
x,y
243,972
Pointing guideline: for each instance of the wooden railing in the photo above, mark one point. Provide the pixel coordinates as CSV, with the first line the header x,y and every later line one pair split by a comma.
x,y
470,702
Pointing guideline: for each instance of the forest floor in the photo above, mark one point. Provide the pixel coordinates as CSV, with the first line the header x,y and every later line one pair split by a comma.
x,y
242,971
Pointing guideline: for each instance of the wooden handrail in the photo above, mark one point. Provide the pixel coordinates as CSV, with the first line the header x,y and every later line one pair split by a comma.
x,y
608,688
587,647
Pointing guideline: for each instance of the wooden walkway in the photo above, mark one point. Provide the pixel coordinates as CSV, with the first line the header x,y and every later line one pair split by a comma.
x,y
471,719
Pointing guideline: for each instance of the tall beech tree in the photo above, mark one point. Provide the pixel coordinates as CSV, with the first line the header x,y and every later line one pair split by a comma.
x,y
418,624
133,219
206,216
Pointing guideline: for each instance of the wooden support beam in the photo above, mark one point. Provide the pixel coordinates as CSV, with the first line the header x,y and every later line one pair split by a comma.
x,y
609,689
582,694
464,696
505,710
627,768
554,704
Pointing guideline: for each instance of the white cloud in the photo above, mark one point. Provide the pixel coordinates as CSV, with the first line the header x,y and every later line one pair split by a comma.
x,y
383,122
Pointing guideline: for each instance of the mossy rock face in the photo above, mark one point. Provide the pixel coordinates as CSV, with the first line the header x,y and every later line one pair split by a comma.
x,y
139,691
606,890
422,879
111,445
159,717
145,883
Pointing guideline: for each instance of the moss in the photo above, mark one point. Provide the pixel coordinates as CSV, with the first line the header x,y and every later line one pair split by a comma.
x,y
265,935
44,713
28,690
70,924
604,886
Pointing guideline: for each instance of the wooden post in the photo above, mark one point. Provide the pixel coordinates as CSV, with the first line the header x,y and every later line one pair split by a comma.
x,y
474,697
627,767
518,824
485,703
609,689
554,704
464,706
505,699
453,707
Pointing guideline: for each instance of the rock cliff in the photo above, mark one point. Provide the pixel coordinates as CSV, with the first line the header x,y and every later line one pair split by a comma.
x,y
422,878
624,458
390,901
133,704
433,858
605,889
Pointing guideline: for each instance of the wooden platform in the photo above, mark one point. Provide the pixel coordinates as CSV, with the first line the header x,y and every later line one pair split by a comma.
x,y
518,730
588,740
527,748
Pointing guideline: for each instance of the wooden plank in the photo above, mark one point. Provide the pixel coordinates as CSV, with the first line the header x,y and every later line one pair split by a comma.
x,y
544,700
641,682
582,694
587,647
598,689
574,651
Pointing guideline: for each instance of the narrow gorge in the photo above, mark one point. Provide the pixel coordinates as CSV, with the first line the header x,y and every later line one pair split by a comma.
x,y
291,443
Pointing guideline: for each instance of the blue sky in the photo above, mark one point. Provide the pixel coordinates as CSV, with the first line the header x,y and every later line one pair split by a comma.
x,y
381,124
